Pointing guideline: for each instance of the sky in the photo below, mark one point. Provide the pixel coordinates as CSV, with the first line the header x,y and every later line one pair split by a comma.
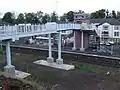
x,y
62,6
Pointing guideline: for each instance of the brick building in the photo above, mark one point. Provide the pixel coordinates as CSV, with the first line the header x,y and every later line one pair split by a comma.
x,y
82,36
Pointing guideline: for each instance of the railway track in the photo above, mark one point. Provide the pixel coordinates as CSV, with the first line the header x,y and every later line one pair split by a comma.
x,y
71,56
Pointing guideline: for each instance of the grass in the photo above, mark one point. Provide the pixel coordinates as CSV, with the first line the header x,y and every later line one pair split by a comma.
x,y
85,67
90,68
98,69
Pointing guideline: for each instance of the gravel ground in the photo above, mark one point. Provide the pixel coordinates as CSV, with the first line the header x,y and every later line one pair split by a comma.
x,y
66,80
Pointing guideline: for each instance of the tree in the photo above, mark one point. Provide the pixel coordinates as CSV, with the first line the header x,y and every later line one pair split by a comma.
x,y
114,14
20,18
9,18
31,18
107,13
46,18
39,15
100,14
35,20
94,15
54,17
63,17
70,16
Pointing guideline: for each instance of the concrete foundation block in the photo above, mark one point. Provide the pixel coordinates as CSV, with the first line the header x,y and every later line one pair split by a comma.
x,y
59,61
10,70
50,60
73,48
55,65
82,49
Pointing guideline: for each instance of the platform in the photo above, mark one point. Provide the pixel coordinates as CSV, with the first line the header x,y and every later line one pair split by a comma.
x,y
20,74
54,65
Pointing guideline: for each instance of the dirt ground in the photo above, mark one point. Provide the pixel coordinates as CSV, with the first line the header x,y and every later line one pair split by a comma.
x,y
64,80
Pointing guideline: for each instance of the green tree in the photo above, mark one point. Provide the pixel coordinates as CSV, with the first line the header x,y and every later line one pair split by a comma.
x,y
54,17
9,17
63,17
107,13
20,18
70,16
39,15
100,14
31,18
94,15
114,14
35,20
46,18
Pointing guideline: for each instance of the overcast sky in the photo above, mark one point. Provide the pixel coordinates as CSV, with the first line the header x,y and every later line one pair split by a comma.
x,y
49,6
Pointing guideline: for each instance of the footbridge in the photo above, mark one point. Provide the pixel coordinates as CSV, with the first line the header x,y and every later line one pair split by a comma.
x,y
26,30
8,33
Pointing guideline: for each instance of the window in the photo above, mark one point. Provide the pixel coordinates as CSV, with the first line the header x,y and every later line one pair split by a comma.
x,y
91,37
105,27
116,27
105,33
116,33
81,16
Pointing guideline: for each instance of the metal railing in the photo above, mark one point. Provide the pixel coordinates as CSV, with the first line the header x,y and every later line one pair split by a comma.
x,y
25,29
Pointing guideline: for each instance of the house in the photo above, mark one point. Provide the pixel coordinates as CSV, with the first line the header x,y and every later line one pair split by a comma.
x,y
107,29
81,17
87,31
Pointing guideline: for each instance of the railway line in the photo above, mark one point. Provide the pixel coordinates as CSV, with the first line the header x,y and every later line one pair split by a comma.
x,y
71,56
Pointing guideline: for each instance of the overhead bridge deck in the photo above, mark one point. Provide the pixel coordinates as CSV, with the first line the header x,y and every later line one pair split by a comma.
x,y
26,30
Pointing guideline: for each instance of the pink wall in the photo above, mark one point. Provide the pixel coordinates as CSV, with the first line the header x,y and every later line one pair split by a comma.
x,y
78,39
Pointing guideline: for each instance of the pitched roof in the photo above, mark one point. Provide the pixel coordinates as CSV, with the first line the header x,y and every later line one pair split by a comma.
x,y
111,21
